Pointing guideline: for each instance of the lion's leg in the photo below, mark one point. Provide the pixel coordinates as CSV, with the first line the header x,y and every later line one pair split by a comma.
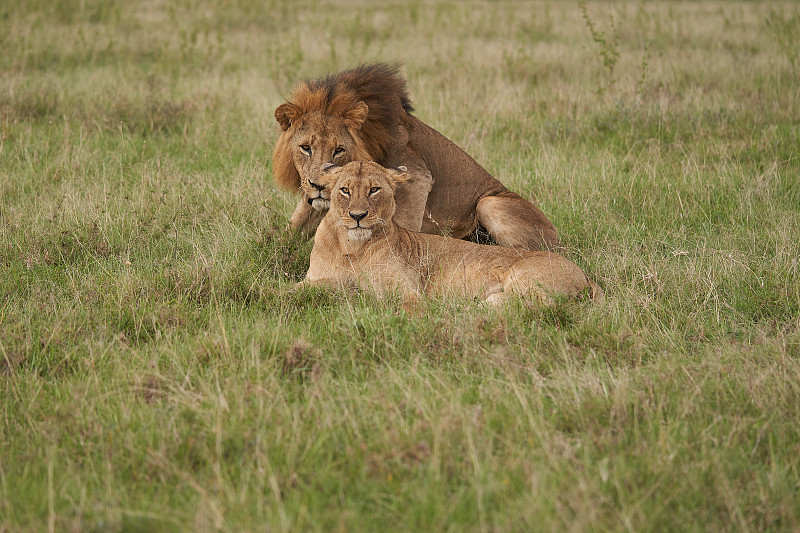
x,y
411,198
305,218
516,223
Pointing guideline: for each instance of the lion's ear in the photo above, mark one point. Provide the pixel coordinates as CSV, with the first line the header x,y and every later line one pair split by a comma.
x,y
399,175
356,116
285,114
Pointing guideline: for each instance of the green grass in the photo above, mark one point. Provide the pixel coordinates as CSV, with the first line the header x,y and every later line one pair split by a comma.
x,y
157,373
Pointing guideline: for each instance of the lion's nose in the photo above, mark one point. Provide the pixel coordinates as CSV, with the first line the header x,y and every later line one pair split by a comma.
x,y
357,216
316,186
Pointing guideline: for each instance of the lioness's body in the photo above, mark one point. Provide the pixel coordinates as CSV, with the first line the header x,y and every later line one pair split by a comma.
x,y
358,242
365,114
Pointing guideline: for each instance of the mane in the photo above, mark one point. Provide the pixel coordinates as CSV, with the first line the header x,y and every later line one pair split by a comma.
x,y
380,86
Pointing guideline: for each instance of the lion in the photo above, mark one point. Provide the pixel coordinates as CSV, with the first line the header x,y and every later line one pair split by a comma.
x,y
365,114
358,242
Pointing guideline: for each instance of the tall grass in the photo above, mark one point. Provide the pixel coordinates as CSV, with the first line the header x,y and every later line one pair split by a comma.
x,y
156,372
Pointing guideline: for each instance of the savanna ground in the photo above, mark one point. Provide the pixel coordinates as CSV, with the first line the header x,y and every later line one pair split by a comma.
x,y
157,374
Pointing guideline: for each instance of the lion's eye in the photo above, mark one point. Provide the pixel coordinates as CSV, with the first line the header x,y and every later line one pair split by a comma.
x,y
338,151
306,148
373,190
345,191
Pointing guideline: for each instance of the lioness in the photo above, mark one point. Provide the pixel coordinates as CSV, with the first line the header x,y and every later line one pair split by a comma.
x,y
365,114
358,242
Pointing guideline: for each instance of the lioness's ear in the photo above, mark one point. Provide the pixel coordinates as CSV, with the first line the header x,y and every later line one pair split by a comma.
x,y
329,176
356,116
285,114
399,174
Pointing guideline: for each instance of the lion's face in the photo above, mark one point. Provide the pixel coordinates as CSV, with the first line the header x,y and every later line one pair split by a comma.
x,y
318,139
362,196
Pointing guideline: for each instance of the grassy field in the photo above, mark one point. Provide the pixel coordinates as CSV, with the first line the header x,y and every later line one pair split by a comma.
x,y
156,374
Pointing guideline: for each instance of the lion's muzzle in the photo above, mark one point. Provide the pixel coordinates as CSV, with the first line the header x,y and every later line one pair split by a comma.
x,y
319,203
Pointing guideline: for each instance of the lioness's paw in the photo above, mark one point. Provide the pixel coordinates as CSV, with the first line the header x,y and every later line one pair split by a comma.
x,y
495,299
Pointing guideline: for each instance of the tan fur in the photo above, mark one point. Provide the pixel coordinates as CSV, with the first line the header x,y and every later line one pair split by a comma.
x,y
358,242
365,114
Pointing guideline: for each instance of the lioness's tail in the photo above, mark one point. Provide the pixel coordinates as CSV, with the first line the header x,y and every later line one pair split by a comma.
x,y
596,294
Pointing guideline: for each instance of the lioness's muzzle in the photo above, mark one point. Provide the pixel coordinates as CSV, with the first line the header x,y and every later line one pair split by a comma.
x,y
357,217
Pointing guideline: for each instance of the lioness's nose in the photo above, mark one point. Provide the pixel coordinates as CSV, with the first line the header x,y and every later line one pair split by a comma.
x,y
357,216
316,186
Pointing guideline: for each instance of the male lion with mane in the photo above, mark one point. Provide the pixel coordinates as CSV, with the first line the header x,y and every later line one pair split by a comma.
x,y
359,243
365,114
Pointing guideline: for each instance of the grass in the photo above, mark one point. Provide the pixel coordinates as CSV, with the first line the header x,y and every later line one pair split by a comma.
x,y
157,374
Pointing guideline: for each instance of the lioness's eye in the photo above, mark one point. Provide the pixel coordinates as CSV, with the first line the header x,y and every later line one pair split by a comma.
x,y
345,191
373,190
338,150
306,148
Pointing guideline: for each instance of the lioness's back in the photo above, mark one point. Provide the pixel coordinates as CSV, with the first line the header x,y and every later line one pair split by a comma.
x,y
456,266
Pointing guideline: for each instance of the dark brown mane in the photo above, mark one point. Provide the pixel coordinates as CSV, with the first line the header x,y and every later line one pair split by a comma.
x,y
380,86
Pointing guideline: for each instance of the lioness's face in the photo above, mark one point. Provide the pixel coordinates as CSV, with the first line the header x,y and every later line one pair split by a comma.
x,y
363,196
